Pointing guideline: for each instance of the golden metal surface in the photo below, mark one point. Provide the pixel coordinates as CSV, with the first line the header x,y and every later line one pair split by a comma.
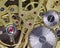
x,y
30,15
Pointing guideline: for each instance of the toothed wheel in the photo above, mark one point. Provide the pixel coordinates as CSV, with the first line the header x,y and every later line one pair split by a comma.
x,y
42,37
31,6
30,23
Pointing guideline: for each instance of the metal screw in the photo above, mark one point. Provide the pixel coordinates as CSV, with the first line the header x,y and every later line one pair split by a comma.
x,y
12,9
2,9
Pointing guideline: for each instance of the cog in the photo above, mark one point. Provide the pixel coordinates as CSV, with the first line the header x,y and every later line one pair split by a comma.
x,y
21,22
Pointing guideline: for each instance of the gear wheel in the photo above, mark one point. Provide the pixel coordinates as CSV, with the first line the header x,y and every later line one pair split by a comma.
x,y
25,22
42,37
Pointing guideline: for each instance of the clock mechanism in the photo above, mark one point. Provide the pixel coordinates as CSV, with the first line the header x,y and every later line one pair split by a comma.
x,y
29,23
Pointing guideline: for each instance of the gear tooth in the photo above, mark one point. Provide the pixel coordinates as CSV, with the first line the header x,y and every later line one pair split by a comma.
x,y
34,23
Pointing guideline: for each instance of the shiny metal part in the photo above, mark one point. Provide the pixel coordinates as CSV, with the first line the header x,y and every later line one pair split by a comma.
x,y
51,18
42,37
42,15
11,29
12,9
58,32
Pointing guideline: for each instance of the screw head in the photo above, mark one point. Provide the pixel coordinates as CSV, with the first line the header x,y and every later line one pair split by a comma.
x,y
12,9
2,9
